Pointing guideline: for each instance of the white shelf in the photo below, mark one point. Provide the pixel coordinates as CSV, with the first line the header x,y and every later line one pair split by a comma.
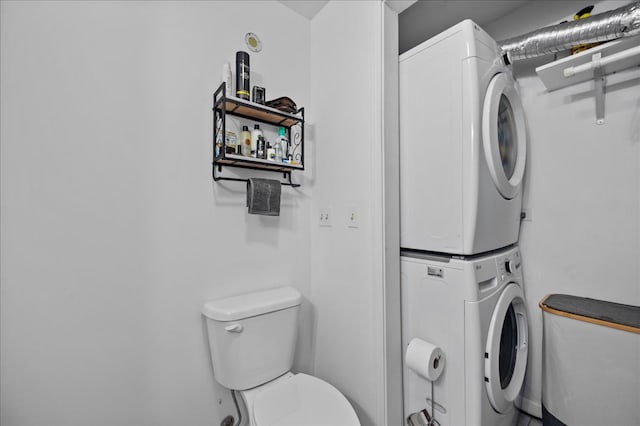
x,y
552,74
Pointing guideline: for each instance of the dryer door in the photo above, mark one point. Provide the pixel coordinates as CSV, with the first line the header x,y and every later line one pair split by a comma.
x,y
506,352
504,135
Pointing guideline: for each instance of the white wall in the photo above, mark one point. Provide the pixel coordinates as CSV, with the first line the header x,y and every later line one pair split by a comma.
x,y
113,232
582,184
348,264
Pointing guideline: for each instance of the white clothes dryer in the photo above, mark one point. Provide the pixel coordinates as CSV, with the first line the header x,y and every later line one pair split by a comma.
x,y
474,310
462,145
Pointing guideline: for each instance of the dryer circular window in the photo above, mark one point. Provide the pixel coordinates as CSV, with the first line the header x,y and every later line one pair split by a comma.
x,y
504,135
507,349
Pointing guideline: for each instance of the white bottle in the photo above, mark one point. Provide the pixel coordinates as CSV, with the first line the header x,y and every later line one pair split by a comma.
x,y
278,149
284,142
226,77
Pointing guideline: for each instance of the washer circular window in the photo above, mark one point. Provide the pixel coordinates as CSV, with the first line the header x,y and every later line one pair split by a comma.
x,y
504,135
508,344
507,349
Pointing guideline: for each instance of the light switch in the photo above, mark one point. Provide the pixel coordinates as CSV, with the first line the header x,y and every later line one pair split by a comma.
x,y
353,216
526,215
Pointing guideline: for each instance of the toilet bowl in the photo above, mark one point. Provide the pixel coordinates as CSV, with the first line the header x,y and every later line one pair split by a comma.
x,y
298,400
590,362
252,340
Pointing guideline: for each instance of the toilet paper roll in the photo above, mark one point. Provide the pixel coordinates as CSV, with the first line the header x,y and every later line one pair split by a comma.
x,y
424,358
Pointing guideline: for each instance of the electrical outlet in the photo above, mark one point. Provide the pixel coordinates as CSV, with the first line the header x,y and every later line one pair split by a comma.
x,y
325,217
526,215
353,216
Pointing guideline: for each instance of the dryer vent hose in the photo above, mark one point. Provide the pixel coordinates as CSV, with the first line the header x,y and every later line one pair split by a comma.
x,y
617,23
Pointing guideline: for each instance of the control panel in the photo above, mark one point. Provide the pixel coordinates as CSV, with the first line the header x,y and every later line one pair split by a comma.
x,y
508,265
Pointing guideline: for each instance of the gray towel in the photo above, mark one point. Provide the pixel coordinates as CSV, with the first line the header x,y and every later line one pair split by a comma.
x,y
263,196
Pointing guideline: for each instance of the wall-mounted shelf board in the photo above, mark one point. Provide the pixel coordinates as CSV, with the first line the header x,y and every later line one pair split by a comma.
x,y
254,111
552,74
256,163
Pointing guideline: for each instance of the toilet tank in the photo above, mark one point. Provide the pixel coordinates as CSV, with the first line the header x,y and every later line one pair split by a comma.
x,y
590,362
252,336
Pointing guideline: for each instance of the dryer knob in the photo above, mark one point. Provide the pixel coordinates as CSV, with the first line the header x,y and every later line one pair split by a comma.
x,y
510,266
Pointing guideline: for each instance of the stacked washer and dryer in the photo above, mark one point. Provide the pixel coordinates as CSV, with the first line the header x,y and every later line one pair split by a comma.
x,y
462,161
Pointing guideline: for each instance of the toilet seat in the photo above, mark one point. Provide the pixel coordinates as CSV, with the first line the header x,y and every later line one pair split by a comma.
x,y
299,400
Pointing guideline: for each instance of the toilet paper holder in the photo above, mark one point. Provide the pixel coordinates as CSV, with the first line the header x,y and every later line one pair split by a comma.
x,y
422,417
434,406
437,406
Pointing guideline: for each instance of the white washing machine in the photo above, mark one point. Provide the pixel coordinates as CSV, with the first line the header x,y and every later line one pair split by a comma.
x,y
462,145
474,310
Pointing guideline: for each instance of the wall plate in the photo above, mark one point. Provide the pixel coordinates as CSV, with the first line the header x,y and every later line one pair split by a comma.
x,y
325,217
253,42
353,216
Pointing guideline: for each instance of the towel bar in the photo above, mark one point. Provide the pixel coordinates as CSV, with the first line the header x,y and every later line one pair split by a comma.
x,y
287,175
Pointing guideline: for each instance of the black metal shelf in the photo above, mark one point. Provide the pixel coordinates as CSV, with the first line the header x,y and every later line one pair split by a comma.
x,y
223,105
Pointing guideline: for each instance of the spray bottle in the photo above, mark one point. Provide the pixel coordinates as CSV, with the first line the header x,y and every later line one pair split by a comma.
x,y
242,75
226,78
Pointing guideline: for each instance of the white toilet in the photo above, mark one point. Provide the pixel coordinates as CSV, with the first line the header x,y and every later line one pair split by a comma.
x,y
252,339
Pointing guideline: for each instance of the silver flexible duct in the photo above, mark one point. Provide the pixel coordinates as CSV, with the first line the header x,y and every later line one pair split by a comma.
x,y
621,22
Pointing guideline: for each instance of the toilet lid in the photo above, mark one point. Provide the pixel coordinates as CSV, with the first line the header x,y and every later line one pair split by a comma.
x,y
303,400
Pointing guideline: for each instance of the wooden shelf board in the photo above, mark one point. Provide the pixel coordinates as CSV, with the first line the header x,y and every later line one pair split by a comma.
x,y
261,112
256,163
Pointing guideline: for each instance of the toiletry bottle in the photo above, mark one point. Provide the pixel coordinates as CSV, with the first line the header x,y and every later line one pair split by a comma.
x,y
258,95
226,77
255,134
261,149
218,137
271,153
231,143
278,151
218,146
284,142
242,75
245,139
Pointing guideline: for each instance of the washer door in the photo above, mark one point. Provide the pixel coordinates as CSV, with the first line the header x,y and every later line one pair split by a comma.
x,y
504,135
506,353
